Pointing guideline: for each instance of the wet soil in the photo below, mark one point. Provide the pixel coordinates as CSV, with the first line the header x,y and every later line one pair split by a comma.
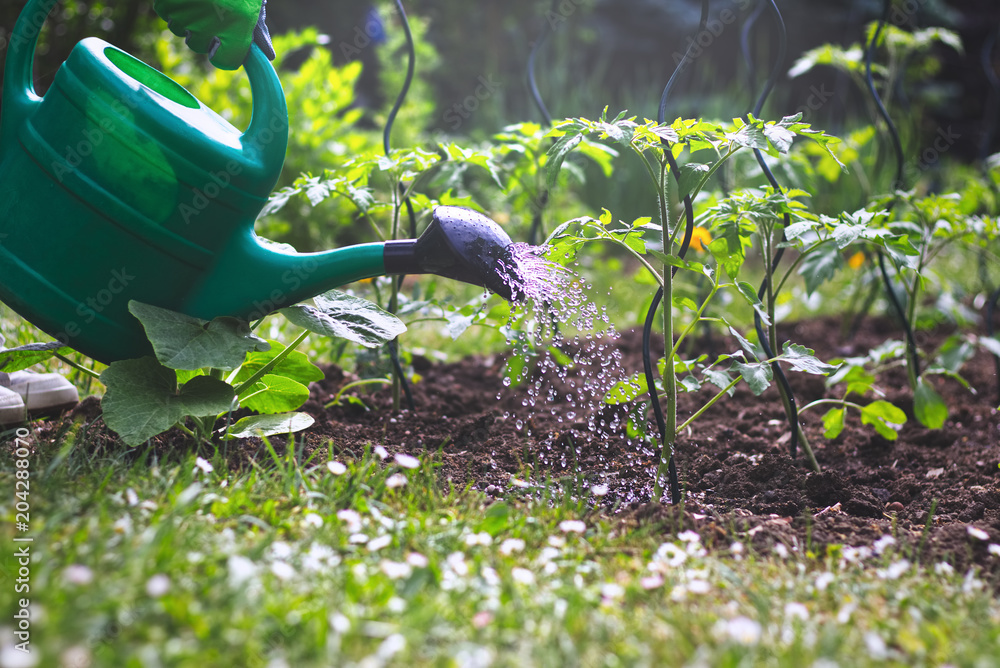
x,y
926,489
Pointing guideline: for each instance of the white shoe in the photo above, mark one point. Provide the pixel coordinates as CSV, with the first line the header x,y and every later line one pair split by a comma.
x,y
42,393
11,407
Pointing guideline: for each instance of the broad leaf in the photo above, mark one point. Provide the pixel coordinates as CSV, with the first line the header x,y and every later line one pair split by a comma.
x,y
757,375
885,417
270,425
627,390
274,394
295,366
337,314
802,359
557,155
691,176
929,406
833,422
819,266
751,298
183,342
142,398
16,359
719,378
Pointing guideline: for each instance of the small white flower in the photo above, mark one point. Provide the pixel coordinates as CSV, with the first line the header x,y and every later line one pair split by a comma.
x,y
395,480
396,604
612,590
944,568
456,560
395,569
357,539
280,550
381,452
742,630
523,576
407,461
377,544
883,543
699,587
12,657
77,656
844,615
391,646
336,468
339,623
572,526
78,574
876,646
781,550
351,518
651,582
131,497
824,580
737,549
599,490
417,560
204,465
897,568
556,541
976,532
312,520
517,482
994,549
158,585
240,569
511,545
282,570
689,537
671,554
482,538
796,611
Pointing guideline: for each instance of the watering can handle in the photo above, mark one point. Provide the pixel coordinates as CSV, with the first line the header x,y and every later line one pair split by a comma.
x,y
266,138
19,97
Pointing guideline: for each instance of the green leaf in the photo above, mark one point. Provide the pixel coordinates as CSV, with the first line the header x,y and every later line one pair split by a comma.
x,y
337,314
779,136
820,265
557,155
295,366
674,261
270,425
833,422
16,359
627,390
497,517
929,406
992,344
884,417
757,375
802,359
954,353
142,399
691,176
183,342
719,378
750,296
274,394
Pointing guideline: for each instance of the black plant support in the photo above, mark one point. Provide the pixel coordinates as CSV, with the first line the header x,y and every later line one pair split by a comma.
x,y
411,64
647,363
745,44
791,407
543,196
898,184
989,131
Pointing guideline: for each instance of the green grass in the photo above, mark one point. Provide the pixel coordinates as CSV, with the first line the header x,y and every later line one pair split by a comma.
x,y
176,561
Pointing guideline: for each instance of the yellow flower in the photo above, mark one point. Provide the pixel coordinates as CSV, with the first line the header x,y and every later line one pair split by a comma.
x,y
856,260
700,238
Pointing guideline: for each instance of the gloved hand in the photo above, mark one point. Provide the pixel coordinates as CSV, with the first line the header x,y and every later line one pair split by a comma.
x,y
224,29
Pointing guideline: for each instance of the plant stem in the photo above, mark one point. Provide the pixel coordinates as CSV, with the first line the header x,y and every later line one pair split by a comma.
x,y
711,402
78,367
357,383
669,378
275,361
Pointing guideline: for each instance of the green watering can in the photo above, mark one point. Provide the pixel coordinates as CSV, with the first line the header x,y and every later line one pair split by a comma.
x,y
118,185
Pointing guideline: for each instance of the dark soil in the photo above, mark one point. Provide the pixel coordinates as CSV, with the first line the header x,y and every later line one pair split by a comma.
x,y
734,463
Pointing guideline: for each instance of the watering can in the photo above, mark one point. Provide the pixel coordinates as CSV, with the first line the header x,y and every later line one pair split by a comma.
x,y
119,184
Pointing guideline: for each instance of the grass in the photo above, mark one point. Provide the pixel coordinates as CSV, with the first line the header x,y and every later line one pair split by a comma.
x,y
296,561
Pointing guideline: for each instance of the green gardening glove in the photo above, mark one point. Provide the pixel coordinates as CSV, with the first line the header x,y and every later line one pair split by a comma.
x,y
224,29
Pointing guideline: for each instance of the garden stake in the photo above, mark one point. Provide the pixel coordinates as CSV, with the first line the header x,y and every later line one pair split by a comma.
x,y
543,197
668,426
769,341
913,367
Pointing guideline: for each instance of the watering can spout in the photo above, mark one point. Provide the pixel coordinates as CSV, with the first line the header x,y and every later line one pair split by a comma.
x,y
459,243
